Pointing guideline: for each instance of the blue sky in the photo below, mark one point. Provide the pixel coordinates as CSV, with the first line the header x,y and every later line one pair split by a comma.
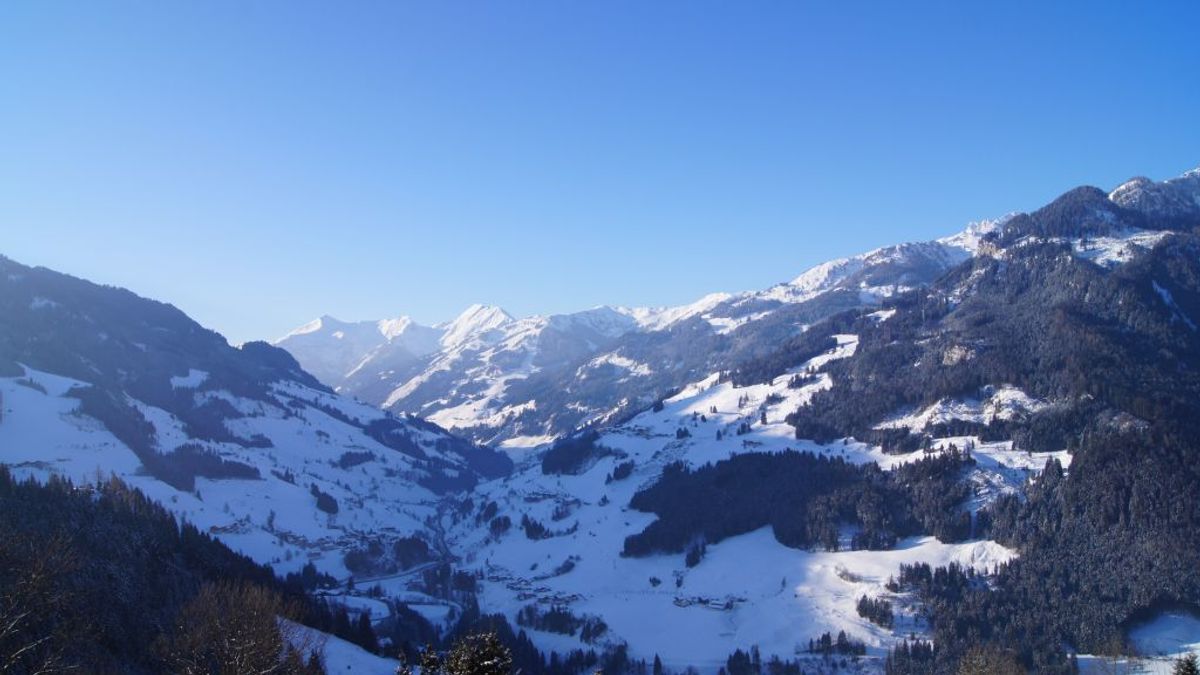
x,y
259,164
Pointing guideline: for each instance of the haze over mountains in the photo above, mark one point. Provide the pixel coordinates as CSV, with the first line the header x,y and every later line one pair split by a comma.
x,y
989,439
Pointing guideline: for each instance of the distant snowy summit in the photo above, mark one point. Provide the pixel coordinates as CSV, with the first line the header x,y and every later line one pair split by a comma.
x,y
525,381
490,375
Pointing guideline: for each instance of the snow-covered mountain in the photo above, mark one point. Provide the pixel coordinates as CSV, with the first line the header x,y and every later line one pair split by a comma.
x,y
523,382
455,373
332,349
239,441
488,375
1058,348
1169,200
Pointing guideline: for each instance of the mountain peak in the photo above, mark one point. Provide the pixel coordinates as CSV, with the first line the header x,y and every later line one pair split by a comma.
x,y
970,238
394,328
602,319
480,313
474,320
1172,198
1129,189
317,325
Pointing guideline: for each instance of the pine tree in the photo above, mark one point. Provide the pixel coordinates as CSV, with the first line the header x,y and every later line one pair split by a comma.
x,y
1186,665
989,661
482,654
429,661
366,633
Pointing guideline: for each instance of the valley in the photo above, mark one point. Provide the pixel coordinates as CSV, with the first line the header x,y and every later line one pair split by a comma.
x,y
931,428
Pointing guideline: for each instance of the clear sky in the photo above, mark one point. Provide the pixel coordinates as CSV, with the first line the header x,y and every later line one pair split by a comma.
x,y
261,163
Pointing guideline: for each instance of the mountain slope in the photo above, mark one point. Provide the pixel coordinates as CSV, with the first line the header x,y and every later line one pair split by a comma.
x,y
241,442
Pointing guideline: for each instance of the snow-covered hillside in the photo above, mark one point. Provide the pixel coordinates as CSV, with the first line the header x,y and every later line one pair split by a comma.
x,y
748,590
886,271
95,381
274,518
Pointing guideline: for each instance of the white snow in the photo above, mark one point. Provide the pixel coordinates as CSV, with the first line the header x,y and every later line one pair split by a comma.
x,y
1158,642
1117,249
272,520
193,379
485,346
474,320
338,655
971,238
659,318
1005,403
1169,634
306,329
42,433
42,303
1169,301
633,368
777,597
526,442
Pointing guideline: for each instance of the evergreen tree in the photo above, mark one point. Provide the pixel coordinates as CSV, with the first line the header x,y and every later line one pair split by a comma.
x,y
481,654
1186,665
989,661
365,633
429,661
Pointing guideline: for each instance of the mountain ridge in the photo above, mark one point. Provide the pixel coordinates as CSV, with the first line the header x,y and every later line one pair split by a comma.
x,y
502,349
486,384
